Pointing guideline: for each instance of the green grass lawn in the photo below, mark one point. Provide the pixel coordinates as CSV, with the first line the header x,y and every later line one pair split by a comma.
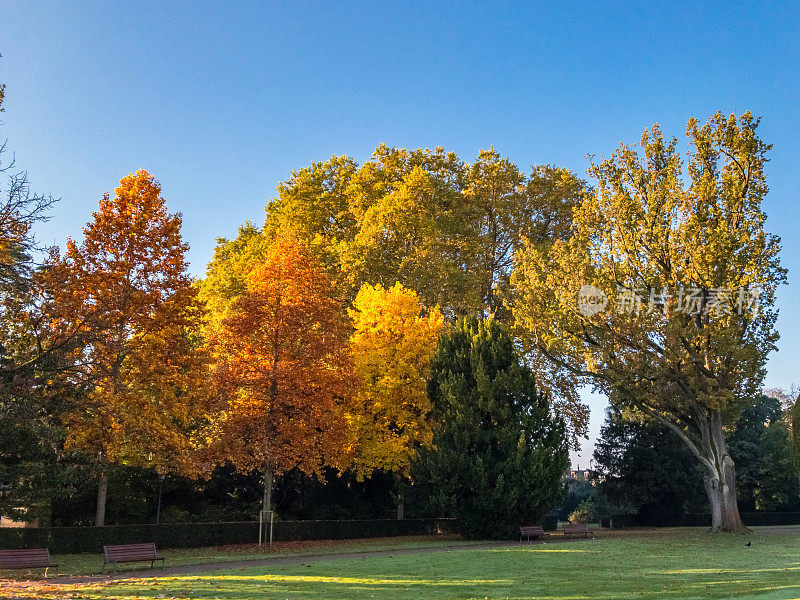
x,y
90,564
687,563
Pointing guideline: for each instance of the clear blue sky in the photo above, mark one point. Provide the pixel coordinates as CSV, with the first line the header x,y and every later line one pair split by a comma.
x,y
221,102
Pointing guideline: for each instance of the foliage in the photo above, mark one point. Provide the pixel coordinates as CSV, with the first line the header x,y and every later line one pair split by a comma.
x,y
391,346
761,446
282,368
127,290
578,491
498,454
224,494
788,400
644,231
413,227
227,273
443,228
512,210
314,206
643,467
585,512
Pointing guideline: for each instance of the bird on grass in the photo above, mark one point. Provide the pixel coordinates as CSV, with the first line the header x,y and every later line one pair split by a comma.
x,y
748,544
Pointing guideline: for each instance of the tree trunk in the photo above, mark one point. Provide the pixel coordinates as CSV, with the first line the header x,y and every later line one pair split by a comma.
x,y
102,488
269,477
720,479
160,490
401,508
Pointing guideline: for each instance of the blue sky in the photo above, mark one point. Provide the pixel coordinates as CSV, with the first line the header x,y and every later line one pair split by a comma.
x,y
222,100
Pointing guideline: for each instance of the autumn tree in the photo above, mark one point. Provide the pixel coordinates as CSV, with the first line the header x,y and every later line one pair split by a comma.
x,y
510,210
414,227
283,370
391,345
127,289
680,318
228,272
423,217
314,206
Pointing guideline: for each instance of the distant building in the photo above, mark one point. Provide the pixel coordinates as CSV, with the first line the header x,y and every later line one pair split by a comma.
x,y
580,474
577,475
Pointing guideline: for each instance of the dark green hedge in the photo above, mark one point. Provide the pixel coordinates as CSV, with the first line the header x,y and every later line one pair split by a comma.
x,y
339,530
753,519
75,540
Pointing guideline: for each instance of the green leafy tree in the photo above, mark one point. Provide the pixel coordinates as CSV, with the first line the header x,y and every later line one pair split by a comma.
x,y
414,227
498,453
314,206
694,241
642,467
30,359
228,272
762,449
424,218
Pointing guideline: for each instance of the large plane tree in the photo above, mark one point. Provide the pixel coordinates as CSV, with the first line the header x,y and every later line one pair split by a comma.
x,y
663,296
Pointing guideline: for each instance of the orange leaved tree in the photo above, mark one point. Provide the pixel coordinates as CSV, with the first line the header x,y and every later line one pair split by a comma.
x,y
283,369
127,290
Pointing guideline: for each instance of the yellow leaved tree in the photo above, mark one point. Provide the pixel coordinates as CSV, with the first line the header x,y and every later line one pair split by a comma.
x,y
392,343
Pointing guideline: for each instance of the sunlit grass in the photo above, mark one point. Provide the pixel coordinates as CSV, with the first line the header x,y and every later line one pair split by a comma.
x,y
685,564
88,564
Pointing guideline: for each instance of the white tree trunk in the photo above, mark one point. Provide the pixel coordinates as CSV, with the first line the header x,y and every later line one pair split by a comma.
x,y
720,480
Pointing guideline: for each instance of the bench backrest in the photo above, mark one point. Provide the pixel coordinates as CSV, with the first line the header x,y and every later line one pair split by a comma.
x,y
22,559
526,529
579,527
130,552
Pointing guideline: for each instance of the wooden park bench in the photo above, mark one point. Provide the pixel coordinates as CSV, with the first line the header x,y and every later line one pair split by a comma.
x,y
131,553
576,529
33,558
530,531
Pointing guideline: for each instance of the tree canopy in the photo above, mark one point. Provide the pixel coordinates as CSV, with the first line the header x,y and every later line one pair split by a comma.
x,y
498,454
127,292
663,297
392,343
283,372
424,218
